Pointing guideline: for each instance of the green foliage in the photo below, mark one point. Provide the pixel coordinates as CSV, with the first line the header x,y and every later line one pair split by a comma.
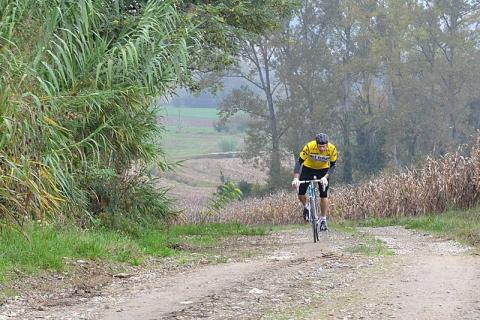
x,y
77,126
369,151
225,24
228,145
392,82
246,188
122,210
226,193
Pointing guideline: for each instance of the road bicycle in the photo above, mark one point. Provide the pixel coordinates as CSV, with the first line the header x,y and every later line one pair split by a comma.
x,y
312,192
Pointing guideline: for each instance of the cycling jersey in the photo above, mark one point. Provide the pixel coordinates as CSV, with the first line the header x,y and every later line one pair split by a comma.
x,y
314,159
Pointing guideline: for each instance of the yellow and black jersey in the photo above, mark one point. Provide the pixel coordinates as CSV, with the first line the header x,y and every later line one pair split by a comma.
x,y
314,159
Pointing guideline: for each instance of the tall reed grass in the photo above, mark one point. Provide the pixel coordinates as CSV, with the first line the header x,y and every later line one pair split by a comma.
x,y
77,92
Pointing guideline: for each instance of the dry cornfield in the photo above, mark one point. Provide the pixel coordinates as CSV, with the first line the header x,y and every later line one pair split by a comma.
x,y
452,181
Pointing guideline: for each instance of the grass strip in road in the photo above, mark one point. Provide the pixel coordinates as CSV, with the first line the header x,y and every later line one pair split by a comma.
x,y
51,247
369,246
460,225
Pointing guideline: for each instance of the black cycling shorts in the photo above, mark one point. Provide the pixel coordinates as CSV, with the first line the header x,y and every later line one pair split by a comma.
x,y
308,174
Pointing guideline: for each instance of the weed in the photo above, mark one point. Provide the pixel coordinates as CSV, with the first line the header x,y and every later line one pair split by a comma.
x,y
371,247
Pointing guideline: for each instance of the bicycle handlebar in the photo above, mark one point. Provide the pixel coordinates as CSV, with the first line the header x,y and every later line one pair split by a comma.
x,y
308,181
314,180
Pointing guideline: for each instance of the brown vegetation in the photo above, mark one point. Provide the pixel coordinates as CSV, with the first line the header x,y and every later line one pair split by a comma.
x,y
279,208
452,181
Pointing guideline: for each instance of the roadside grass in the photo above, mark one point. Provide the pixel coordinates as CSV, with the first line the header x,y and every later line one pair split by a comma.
x,y
368,245
344,226
49,248
461,225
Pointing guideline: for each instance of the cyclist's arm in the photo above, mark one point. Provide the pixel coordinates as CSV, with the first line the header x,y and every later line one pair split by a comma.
x,y
302,157
333,162
331,170
298,164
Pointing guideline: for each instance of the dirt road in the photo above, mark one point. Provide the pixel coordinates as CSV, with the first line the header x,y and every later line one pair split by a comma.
x,y
381,273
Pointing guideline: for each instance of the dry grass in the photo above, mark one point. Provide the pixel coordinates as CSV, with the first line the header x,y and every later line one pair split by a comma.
x,y
452,181
280,208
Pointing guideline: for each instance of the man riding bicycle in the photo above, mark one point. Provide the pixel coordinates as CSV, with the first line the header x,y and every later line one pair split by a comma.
x,y
318,159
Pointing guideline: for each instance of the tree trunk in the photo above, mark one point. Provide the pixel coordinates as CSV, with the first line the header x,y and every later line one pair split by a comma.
x,y
275,165
347,107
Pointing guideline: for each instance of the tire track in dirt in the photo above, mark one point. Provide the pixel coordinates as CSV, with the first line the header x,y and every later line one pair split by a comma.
x,y
434,279
173,296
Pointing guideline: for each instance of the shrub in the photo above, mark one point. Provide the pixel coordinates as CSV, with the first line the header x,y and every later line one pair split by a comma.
x,y
245,187
228,145
236,124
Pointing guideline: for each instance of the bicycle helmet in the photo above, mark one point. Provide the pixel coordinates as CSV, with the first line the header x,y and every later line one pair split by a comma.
x,y
321,138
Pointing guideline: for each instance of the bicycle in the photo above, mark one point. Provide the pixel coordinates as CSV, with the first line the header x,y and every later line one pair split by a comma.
x,y
312,192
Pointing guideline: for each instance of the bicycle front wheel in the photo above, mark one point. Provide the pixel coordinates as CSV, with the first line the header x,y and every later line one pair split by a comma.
x,y
314,220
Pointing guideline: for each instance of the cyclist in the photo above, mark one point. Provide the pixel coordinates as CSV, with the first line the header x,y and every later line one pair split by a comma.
x,y
318,158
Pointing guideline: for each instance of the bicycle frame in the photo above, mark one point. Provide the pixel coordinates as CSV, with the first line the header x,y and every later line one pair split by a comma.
x,y
312,192
312,199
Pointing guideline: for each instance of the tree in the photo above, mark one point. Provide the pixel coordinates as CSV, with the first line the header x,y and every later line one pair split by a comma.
x,y
224,26
435,72
264,105
305,67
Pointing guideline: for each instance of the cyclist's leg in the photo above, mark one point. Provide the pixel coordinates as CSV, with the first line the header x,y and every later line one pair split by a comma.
x,y
324,203
306,174
302,197
306,206
324,206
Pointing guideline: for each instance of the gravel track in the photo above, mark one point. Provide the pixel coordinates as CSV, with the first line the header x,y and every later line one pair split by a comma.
x,y
285,276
